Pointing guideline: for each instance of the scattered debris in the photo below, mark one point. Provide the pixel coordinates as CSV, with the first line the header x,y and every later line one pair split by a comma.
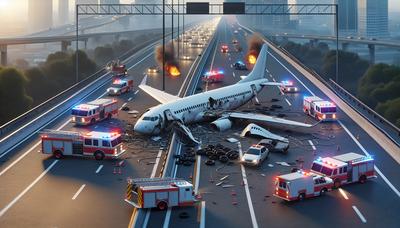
x,y
262,174
134,112
210,162
228,185
270,165
274,100
232,140
223,178
219,183
183,215
283,163
125,108
156,138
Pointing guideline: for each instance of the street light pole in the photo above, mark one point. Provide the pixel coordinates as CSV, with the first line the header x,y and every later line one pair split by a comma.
x,y
163,48
178,26
77,45
183,28
337,43
172,22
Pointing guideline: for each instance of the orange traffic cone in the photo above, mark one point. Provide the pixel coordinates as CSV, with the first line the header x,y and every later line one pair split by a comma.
x,y
119,171
115,171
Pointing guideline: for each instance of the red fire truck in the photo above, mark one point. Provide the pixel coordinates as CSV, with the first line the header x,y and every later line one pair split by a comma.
x,y
98,144
120,86
213,76
117,69
345,168
300,185
224,48
94,111
159,193
319,109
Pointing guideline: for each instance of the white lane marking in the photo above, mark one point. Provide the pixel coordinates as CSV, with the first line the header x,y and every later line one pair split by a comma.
x,y
366,153
246,187
359,214
273,79
212,60
78,192
234,74
198,164
203,215
312,145
129,99
153,172
4,210
123,106
136,92
99,169
287,101
347,130
343,194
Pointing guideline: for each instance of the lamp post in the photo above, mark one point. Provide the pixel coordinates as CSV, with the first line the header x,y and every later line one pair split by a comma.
x,y
163,47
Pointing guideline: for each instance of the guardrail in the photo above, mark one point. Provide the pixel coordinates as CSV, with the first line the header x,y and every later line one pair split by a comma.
x,y
338,90
42,106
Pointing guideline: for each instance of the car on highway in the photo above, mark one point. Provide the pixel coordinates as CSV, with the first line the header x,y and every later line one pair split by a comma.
x,y
235,41
213,76
239,65
275,145
235,32
120,86
224,48
153,70
255,155
288,87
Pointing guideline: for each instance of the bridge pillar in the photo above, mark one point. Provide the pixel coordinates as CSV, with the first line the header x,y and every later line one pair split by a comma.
x,y
371,48
345,46
3,54
64,45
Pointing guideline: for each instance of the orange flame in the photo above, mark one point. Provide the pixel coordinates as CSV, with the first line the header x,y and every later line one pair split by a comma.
x,y
173,71
252,59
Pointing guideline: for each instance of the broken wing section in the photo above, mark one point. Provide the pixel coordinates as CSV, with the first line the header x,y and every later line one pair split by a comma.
x,y
159,95
265,118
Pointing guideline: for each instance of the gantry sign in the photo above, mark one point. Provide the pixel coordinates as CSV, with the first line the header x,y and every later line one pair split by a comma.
x,y
205,8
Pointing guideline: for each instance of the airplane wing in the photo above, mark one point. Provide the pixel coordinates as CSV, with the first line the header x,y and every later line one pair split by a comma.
x,y
265,118
159,95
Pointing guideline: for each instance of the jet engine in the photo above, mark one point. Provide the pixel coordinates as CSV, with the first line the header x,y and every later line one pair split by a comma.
x,y
222,124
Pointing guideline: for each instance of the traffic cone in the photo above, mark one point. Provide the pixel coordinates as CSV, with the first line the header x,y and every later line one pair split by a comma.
x,y
233,193
119,171
234,201
115,171
198,196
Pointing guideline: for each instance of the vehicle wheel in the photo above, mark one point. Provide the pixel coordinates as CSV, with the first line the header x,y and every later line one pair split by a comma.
x,y
337,183
99,155
92,121
362,179
323,191
301,197
162,205
109,116
58,154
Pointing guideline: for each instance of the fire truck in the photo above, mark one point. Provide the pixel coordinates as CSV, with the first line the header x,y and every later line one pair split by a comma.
x,y
159,193
319,109
117,69
213,76
345,168
300,185
224,48
120,86
100,145
94,111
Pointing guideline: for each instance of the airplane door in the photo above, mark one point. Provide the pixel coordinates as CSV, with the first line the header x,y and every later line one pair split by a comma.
x,y
168,115
254,90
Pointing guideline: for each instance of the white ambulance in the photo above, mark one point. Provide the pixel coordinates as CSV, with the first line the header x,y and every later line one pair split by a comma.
x,y
345,168
159,193
319,109
300,185
94,111
97,144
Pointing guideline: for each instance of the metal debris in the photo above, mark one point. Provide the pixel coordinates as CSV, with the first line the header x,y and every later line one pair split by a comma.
x,y
228,185
283,163
223,178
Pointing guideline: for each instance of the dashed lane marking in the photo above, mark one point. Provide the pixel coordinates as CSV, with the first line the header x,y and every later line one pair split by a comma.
x,y
287,101
312,145
129,99
99,169
343,194
123,106
203,214
78,192
137,91
358,212
233,74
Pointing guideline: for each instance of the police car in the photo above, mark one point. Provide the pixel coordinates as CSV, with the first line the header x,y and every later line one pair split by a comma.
x,y
255,155
239,65
288,87
213,76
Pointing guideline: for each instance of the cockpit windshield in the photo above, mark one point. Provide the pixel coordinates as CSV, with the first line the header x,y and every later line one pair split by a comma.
x,y
150,118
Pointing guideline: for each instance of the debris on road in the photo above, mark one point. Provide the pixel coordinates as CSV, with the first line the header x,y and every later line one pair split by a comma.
x,y
270,165
232,140
223,178
283,163
228,185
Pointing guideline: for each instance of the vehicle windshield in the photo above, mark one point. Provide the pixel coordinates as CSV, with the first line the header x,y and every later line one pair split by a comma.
x,y
328,109
327,171
253,151
118,85
77,112
116,141
150,118
316,167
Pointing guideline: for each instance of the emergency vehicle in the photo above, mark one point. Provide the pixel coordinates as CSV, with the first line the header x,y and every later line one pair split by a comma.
x,y
94,111
98,144
213,76
255,155
120,86
300,185
117,69
159,193
224,48
345,168
288,87
319,109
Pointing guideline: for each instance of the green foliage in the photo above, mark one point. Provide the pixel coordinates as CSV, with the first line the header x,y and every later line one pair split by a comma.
x,y
103,54
13,98
390,110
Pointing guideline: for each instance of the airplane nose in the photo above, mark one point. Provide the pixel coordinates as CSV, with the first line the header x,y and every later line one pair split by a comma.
x,y
138,127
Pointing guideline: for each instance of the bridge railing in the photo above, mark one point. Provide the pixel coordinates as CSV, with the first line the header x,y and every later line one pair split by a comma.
x,y
351,100
56,98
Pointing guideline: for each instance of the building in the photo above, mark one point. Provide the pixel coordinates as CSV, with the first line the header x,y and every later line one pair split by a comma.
x,y
347,17
63,12
373,18
87,1
109,2
269,22
40,14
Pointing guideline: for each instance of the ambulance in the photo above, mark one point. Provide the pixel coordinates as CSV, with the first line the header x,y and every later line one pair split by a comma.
x,y
159,193
300,185
120,86
345,168
94,111
319,109
95,144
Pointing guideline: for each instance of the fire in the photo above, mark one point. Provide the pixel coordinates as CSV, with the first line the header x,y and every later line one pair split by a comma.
x,y
252,59
173,71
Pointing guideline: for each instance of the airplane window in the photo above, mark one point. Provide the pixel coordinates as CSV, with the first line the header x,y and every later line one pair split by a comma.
x,y
146,118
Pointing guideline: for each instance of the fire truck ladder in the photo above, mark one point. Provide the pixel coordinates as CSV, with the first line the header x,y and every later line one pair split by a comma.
x,y
59,133
159,181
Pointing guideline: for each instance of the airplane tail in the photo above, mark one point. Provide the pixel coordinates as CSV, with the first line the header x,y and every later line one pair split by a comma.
x,y
259,68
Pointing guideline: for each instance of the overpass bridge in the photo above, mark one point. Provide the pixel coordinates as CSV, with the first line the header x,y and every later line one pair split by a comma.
x,y
345,41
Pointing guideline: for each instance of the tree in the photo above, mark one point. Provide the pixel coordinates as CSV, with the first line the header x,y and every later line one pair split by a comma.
x,y
390,110
13,98
103,54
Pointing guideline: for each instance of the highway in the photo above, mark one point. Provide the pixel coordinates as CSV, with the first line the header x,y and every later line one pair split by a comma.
x,y
43,192
40,191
